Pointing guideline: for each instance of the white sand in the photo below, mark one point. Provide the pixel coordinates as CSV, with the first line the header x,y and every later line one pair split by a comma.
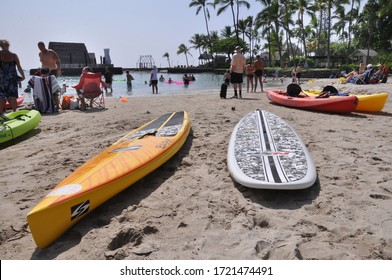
x,y
190,208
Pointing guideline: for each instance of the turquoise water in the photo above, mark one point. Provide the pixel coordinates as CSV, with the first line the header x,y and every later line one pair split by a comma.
x,y
204,82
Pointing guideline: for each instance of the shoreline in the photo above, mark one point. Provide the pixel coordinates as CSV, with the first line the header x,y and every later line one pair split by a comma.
x,y
190,208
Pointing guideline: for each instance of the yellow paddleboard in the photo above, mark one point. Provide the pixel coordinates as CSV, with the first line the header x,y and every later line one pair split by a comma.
x,y
126,161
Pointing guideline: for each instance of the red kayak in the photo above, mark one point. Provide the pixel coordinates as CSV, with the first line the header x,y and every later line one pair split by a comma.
x,y
19,101
341,104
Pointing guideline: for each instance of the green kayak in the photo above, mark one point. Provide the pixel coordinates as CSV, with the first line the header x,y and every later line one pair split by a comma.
x,y
15,124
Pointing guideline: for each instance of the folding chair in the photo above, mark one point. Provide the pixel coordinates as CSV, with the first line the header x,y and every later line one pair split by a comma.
x,y
364,78
92,88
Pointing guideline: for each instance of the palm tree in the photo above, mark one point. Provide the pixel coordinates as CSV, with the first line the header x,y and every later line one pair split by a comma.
x,y
242,27
185,50
319,23
330,4
352,15
197,41
246,28
226,32
214,38
385,7
270,18
225,4
304,7
238,4
340,24
288,11
202,4
166,54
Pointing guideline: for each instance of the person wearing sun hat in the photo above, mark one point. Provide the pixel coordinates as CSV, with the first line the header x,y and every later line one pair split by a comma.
x,y
237,67
376,77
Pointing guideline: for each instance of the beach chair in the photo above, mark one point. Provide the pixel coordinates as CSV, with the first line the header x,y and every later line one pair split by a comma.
x,y
92,88
365,78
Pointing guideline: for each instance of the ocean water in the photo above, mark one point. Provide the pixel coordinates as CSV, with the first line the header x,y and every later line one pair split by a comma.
x,y
204,82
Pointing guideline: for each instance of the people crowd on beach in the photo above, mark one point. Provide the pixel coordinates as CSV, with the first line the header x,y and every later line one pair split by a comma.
x,y
12,74
368,75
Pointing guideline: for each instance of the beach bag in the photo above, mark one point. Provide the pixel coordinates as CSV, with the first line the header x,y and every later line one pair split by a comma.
x,y
330,89
66,102
223,91
293,90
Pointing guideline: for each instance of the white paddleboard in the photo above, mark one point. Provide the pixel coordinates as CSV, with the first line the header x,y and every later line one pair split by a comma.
x,y
266,153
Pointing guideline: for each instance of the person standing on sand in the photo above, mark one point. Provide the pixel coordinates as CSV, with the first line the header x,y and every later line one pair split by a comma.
x,y
259,70
298,74
9,62
249,72
108,80
129,80
154,80
237,66
49,59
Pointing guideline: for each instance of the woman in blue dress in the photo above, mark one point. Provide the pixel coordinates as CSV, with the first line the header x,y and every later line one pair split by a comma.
x,y
9,64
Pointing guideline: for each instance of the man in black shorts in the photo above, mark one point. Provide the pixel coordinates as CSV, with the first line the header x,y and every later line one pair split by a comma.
x,y
237,67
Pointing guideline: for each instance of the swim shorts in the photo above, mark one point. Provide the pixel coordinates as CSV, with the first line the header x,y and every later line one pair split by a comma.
x,y
259,73
236,78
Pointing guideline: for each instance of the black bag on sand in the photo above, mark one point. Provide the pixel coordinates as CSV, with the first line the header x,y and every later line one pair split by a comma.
x,y
293,90
223,91
331,89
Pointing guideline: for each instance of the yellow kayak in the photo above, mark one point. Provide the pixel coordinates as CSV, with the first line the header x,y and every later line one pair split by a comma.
x,y
116,168
366,103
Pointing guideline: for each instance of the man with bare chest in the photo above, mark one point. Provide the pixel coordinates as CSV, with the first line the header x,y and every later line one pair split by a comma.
x,y
49,59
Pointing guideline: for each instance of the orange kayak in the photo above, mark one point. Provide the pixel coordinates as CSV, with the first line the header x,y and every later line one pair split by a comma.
x,y
339,104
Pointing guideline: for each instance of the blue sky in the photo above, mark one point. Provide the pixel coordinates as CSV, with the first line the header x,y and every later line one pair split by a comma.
x,y
129,28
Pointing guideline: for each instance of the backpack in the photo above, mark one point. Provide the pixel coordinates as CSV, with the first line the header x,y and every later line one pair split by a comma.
x,y
330,89
66,102
293,90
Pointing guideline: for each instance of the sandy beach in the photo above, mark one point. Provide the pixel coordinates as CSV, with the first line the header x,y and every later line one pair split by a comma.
x,y
190,208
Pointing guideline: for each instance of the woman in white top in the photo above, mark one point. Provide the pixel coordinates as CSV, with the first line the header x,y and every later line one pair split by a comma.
x,y
154,80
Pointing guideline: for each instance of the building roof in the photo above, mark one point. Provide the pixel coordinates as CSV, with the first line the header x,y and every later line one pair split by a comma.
x,y
364,52
205,56
72,53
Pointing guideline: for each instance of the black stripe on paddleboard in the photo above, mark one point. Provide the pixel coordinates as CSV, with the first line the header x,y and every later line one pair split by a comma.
x,y
177,119
157,123
271,161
